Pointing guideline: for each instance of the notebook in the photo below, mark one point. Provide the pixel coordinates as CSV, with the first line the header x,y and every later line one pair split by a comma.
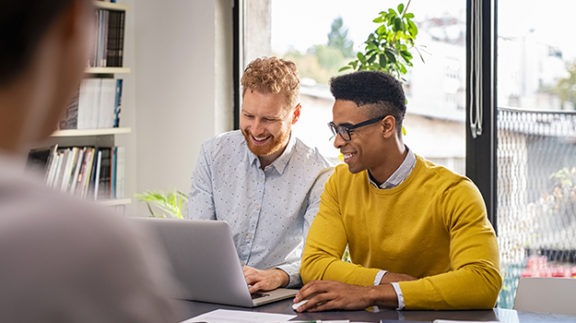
x,y
205,262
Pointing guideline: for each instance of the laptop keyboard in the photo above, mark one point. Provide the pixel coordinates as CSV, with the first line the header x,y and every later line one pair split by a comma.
x,y
258,295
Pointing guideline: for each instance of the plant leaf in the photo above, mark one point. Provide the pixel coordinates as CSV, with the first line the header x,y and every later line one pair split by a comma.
x,y
400,8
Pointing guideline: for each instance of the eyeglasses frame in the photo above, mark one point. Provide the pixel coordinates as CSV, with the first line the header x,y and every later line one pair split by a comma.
x,y
348,130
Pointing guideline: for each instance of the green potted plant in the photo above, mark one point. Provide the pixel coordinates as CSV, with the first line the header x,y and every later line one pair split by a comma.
x,y
165,204
388,48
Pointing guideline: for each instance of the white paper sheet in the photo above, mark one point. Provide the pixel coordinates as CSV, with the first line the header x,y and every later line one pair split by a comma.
x,y
227,316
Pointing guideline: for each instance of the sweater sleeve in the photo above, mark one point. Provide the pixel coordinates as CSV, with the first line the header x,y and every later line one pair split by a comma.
x,y
326,243
474,280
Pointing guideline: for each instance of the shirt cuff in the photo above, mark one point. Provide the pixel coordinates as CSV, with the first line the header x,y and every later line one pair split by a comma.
x,y
398,291
293,275
379,276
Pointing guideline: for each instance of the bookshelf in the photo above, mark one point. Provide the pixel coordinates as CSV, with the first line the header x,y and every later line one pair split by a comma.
x,y
110,6
83,157
107,70
90,132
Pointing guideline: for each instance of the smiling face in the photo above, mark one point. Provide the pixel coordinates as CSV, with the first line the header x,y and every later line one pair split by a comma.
x,y
266,121
369,146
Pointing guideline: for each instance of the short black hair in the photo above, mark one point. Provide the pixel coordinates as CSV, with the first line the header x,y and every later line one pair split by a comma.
x,y
22,25
380,92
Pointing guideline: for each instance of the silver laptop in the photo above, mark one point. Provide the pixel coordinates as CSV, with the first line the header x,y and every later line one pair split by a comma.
x,y
205,262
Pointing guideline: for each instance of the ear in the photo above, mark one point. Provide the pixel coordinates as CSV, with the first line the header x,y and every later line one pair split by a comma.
x,y
76,30
77,17
388,126
296,114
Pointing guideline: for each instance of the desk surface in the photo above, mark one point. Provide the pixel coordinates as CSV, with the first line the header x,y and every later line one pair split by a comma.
x,y
191,309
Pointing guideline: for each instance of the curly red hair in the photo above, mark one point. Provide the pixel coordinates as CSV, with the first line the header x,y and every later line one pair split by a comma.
x,y
272,75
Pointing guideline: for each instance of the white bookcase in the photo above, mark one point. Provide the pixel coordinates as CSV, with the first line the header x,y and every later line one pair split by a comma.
x,y
97,136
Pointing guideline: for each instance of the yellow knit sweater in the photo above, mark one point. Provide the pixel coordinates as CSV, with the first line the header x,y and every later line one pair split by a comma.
x,y
432,226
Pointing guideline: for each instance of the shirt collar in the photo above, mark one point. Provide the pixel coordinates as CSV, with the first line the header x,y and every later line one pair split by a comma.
x,y
400,174
280,163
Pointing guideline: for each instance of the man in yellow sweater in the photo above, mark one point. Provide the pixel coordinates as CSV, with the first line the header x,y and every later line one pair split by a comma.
x,y
417,233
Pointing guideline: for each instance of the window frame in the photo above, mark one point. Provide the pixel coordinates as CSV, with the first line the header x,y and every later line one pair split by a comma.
x,y
481,157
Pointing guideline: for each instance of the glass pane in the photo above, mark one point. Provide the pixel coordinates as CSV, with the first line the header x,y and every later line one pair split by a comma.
x,y
536,146
299,30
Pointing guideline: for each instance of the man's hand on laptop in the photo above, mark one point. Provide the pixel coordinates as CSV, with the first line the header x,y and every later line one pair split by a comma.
x,y
260,280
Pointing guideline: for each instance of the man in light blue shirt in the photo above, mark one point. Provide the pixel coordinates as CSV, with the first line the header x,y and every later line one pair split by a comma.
x,y
261,179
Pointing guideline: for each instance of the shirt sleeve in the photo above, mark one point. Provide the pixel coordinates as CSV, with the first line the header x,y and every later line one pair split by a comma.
x,y
200,199
399,294
313,204
292,269
378,277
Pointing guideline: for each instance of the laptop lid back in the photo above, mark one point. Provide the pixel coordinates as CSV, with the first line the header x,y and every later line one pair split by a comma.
x,y
204,259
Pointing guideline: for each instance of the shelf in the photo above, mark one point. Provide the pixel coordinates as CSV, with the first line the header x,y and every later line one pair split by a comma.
x,y
107,70
90,132
110,6
114,202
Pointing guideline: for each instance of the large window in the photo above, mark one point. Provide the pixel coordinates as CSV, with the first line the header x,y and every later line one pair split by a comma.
x,y
321,36
512,78
536,128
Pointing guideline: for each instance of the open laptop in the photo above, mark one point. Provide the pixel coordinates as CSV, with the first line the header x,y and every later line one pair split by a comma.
x,y
205,262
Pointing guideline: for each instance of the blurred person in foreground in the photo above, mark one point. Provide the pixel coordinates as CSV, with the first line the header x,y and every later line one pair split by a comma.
x,y
262,180
418,233
63,259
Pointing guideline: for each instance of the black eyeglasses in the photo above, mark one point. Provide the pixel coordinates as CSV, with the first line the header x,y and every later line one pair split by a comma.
x,y
345,131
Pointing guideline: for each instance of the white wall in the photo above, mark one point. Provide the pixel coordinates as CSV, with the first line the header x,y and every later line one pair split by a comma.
x,y
180,53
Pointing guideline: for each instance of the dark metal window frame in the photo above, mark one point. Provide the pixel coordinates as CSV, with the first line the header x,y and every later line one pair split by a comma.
x,y
236,12
481,94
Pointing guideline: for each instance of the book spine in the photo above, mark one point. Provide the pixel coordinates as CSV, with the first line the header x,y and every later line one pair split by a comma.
x,y
105,173
71,157
112,39
120,169
101,38
75,176
118,102
113,176
87,173
94,53
96,174
104,111
70,118
121,22
52,162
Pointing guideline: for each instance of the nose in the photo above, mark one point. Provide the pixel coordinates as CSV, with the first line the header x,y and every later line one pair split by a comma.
x,y
256,127
338,141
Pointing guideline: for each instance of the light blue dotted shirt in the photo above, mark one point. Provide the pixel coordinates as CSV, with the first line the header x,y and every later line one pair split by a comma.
x,y
269,211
